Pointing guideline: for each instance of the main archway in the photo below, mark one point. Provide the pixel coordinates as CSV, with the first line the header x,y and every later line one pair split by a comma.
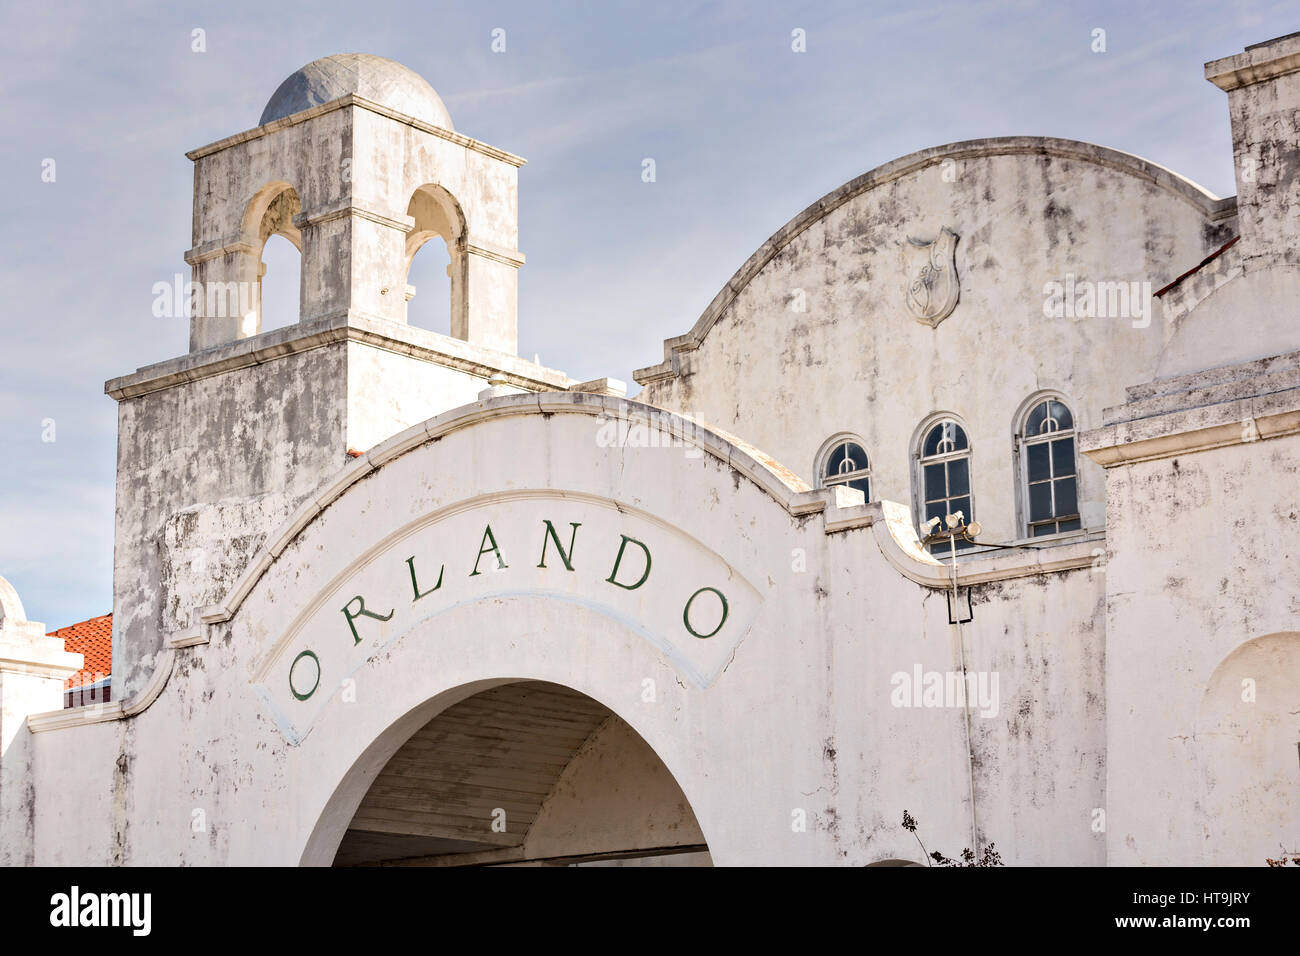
x,y
636,580
526,772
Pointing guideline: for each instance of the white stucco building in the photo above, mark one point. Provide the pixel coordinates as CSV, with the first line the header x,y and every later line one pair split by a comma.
x,y
387,595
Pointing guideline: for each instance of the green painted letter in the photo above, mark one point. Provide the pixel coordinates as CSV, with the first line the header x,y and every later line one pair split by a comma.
x,y
293,690
619,560
484,548
550,535
415,585
361,612
686,613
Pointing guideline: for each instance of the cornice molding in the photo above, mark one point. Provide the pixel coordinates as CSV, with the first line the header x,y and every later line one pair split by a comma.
x,y
362,103
330,329
1256,64
1187,432
218,248
510,257
114,710
349,208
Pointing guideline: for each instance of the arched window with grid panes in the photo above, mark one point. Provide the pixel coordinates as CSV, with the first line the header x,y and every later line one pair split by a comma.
x,y
944,477
843,461
1049,469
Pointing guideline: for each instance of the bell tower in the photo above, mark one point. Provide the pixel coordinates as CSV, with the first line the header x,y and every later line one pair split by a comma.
x,y
355,161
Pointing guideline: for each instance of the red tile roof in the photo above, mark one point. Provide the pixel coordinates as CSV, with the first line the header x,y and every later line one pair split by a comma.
x,y
94,639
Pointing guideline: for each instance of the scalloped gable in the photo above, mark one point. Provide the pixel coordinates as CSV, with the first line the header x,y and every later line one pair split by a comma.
x,y
1212,207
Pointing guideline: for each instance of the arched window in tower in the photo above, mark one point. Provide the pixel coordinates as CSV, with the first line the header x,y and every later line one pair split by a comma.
x,y
843,461
435,284
944,477
1049,469
280,283
274,283
428,288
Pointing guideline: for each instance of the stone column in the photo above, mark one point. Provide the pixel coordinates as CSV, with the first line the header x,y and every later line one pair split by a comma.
x,y
492,294
33,668
228,276
352,262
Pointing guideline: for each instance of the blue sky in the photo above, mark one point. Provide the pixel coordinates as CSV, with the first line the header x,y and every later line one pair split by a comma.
x,y
744,132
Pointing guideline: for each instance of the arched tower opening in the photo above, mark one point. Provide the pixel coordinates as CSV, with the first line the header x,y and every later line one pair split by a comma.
x,y
273,294
360,162
435,263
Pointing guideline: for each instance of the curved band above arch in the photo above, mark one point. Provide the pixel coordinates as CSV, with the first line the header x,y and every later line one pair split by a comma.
x,y
694,588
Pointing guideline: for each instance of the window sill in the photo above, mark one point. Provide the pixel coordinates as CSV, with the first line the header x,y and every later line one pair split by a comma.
x,y
1041,543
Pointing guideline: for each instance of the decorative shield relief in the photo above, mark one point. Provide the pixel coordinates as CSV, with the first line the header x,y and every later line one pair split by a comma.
x,y
932,286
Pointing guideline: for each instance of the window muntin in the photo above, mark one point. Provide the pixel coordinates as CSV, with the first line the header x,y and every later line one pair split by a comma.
x,y
944,438
946,479
847,464
1050,469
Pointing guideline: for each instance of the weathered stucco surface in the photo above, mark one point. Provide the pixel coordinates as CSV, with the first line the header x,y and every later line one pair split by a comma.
x,y
354,168
800,719
364,601
227,438
207,468
32,671
1203,609
1027,212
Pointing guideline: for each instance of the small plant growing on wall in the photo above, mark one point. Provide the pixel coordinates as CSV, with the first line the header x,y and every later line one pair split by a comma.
x,y
989,856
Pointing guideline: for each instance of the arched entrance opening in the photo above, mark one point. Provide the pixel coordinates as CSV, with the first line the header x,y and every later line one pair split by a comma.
x,y
524,773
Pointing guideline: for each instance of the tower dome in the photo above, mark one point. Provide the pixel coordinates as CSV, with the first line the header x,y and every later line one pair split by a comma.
x,y
376,78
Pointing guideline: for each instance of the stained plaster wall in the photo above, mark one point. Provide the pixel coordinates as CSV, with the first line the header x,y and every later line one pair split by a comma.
x,y
801,719
1027,212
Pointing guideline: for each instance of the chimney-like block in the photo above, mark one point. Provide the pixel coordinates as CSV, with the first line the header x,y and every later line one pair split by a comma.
x,y
1263,87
